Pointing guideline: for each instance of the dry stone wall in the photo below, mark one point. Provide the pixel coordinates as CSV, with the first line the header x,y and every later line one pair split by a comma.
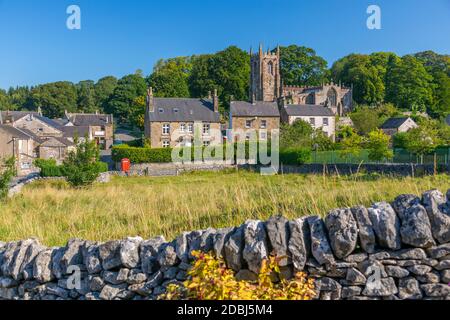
x,y
398,250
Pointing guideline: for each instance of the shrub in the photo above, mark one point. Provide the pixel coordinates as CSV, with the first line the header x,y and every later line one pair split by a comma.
x,y
141,155
82,165
8,171
210,279
49,168
295,156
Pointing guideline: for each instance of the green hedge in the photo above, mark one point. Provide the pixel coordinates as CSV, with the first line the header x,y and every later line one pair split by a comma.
x,y
49,168
295,156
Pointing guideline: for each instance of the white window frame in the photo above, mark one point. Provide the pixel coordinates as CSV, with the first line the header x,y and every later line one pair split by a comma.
x,y
190,127
206,129
166,129
166,144
312,121
183,127
263,124
263,135
206,143
326,122
248,124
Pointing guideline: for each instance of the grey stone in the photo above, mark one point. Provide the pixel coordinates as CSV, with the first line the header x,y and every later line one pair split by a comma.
x,y
439,251
136,276
9,293
431,277
194,240
154,280
331,285
408,288
255,250
110,254
55,290
207,240
366,233
386,225
148,254
372,269
109,292
42,266
342,232
246,275
416,228
419,270
396,272
6,282
129,252
380,288
404,254
125,295
28,261
434,202
171,273
357,257
320,246
355,277
278,234
297,245
13,258
352,291
57,254
91,257
436,289
220,238
167,256
234,248
443,264
73,254
96,284
116,277
140,289
403,203
182,247
182,275
445,276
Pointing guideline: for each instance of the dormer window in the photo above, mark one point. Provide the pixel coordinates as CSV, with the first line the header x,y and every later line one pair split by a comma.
x,y
160,110
176,110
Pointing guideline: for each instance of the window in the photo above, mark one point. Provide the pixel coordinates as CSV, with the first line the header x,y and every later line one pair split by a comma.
x,y
182,127
325,121
206,143
166,128
312,121
248,123
161,110
190,127
175,110
263,124
263,135
206,128
166,143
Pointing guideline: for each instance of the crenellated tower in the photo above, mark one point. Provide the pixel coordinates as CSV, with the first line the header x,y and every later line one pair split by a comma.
x,y
265,79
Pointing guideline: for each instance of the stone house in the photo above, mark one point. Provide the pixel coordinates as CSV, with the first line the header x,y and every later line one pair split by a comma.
x,y
393,126
20,145
319,117
171,122
98,127
259,117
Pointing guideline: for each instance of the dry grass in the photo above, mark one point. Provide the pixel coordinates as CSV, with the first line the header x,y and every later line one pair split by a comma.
x,y
147,207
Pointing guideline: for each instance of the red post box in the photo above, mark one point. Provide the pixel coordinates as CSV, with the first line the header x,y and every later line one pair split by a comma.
x,y
126,163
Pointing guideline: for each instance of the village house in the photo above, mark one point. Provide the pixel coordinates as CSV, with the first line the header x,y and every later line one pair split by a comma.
x,y
171,122
393,126
259,117
96,126
319,117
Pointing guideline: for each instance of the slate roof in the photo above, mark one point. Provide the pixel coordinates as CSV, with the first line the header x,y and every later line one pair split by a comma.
x,y
15,115
16,133
257,109
183,109
393,123
86,119
308,110
56,142
72,131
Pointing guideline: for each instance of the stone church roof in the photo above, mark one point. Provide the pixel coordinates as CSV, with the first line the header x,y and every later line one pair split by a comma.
x,y
394,123
257,109
183,110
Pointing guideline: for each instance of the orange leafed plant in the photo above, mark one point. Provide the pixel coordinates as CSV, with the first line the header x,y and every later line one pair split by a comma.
x,y
210,279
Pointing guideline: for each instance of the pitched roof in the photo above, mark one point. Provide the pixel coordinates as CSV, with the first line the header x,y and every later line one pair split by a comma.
x,y
72,131
257,109
15,115
88,119
394,123
56,142
14,132
183,109
308,110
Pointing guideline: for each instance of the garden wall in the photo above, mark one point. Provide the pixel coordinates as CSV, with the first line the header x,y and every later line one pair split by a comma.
x,y
387,251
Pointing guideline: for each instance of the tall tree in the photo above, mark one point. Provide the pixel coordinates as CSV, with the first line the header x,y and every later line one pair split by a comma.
x,y
4,100
408,84
86,96
128,88
302,66
103,90
170,77
54,98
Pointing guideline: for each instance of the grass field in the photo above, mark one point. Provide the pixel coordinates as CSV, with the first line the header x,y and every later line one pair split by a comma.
x,y
147,207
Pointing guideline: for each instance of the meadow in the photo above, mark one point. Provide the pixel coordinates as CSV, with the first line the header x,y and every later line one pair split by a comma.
x,y
149,206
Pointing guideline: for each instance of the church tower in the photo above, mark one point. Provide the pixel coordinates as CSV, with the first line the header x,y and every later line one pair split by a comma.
x,y
265,79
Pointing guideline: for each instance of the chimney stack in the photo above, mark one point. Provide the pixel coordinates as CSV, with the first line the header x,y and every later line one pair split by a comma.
x,y
216,101
150,100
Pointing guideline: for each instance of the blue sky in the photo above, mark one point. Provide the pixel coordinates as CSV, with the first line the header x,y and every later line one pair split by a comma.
x,y
119,37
